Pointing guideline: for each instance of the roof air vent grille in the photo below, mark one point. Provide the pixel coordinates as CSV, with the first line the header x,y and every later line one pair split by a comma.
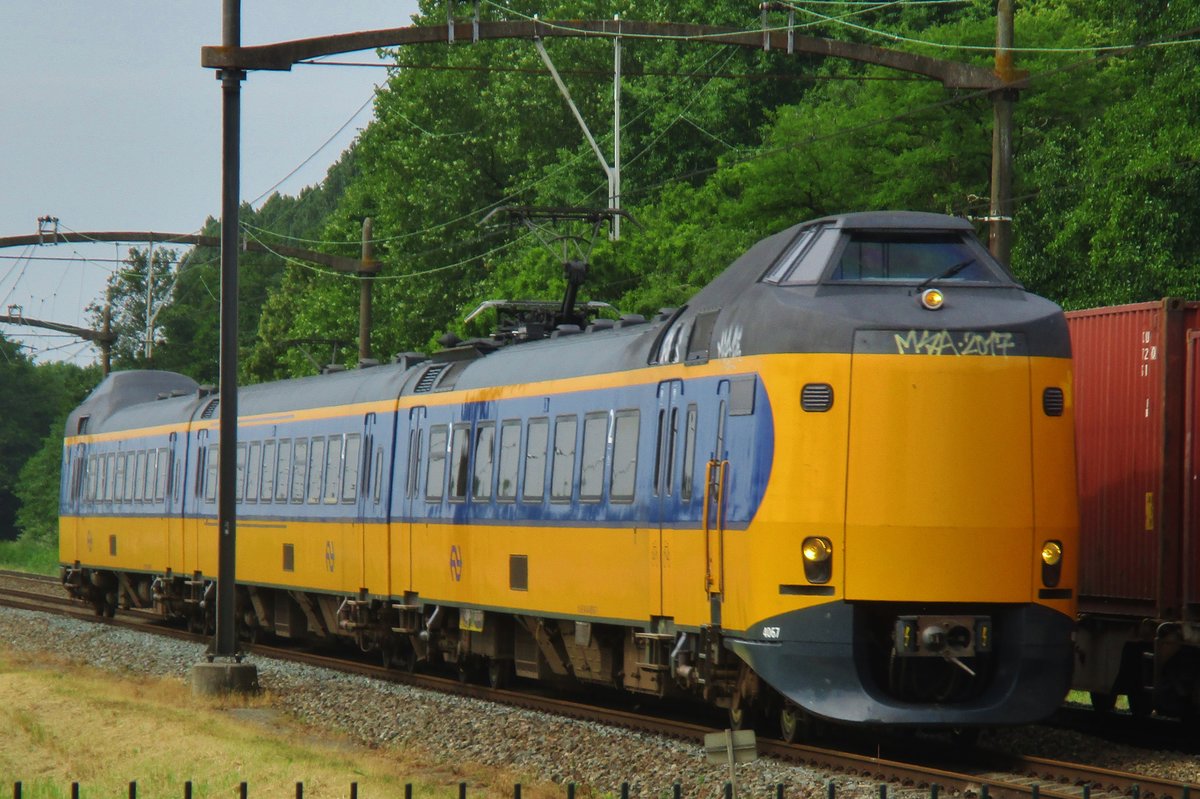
x,y
429,377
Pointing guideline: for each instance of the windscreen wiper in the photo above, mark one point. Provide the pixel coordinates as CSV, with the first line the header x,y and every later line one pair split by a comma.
x,y
951,272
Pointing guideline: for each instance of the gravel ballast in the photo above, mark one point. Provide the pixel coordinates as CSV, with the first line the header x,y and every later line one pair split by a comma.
x,y
537,746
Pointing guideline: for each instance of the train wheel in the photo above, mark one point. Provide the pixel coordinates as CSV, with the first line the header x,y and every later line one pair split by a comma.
x,y
1103,702
1140,702
499,673
742,717
791,723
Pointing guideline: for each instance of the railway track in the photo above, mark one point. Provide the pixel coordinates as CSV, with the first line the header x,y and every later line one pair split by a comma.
x,y
979,775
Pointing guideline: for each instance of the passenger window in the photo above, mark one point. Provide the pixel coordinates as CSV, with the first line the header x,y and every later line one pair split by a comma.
x,y
510,459
674,435
161,475
689,454
151,474
299,469
351,464
563,469
119,478
110,471
241,473
460,454
591,465
378,474
435,479
91,478
316,469
283,471
268,471
625,444
658,453
139,479
333,471
485,446
252,471
535,460
210,478
414,461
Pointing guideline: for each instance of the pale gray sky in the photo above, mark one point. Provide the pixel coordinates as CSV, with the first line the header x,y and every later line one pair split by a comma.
x,y
108,121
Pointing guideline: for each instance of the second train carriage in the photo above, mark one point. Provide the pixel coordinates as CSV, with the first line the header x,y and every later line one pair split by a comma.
x,y
812,491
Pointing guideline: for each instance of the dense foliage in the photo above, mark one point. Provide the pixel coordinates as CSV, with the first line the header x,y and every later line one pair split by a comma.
x,y
723,145
33,407
720,146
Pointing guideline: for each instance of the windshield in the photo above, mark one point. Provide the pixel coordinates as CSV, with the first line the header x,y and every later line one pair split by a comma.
x,y
913,257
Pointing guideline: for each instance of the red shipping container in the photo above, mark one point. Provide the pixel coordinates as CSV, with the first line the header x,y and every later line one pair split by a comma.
x,y
1137,377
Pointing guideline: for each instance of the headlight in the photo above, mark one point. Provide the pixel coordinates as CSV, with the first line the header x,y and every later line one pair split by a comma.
x,y
1052,555
818,559
817,550
932,299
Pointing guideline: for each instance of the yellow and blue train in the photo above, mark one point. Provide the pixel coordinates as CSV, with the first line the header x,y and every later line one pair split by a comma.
x,y
838,484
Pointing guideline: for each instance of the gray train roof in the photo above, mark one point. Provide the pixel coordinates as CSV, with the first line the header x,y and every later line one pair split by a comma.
x,y
127,400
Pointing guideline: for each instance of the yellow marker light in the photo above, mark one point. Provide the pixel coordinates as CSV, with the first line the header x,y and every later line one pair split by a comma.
x,y
816,550
1051,553
932,299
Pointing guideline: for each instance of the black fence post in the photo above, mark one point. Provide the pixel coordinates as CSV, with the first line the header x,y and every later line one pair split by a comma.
x,y
187,790
1035,791
16,790
1137,791
408,790
678,792
624,790
517,791
133,790
779,790
883,791
462,790
244,789
983,792
1087,791
729,790
934,788
354,790
570,790
831,790
74,790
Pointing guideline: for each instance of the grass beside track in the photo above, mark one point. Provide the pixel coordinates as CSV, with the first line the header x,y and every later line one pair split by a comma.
x,y
27,556
64,723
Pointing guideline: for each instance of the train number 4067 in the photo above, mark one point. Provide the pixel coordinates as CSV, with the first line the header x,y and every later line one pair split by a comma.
x,y
771,632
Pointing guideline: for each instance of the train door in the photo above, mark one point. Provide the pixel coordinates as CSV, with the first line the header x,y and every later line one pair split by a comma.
x,y
172,494
716,479
413,497
193,522
372,536
680,545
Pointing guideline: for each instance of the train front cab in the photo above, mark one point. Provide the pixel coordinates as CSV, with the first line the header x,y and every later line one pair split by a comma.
x,y
942,592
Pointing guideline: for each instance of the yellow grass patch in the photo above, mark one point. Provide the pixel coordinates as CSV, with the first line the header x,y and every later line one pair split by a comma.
x,y
63,723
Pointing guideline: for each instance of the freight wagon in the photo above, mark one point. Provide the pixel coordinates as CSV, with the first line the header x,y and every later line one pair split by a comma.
x,y
1136,413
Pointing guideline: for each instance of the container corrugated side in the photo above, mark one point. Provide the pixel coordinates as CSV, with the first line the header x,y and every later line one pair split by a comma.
x,y
1121,379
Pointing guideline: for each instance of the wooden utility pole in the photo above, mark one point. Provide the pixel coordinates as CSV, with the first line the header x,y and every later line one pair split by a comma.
x,y
1001,206
366,276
